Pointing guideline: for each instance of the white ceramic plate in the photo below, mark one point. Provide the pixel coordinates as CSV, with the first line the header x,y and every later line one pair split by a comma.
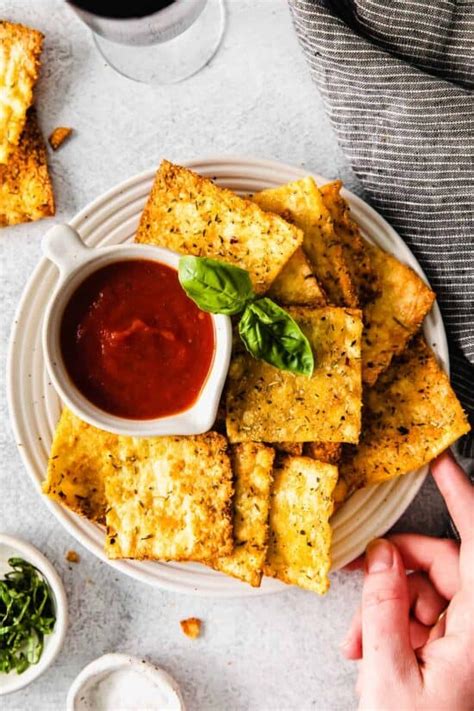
x,y
35,407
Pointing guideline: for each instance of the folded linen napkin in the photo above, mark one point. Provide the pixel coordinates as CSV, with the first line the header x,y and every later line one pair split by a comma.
x,y
396,77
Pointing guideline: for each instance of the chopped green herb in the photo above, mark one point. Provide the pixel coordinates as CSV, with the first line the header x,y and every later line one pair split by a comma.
x,y
26,616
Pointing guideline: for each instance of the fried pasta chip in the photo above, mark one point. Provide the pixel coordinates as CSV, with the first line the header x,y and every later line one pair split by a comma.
x,y
252,464
354,245
20,49
329,452
78,465
393,317
302,204
26,193
58,136
265,404
296,284
410,416
170,498
300,534
395,299
192,215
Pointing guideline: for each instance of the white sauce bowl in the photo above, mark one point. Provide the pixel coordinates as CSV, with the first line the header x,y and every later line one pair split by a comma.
x,y
63,246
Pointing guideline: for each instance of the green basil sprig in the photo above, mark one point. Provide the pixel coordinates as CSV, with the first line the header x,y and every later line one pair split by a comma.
x,y
267,331
214,286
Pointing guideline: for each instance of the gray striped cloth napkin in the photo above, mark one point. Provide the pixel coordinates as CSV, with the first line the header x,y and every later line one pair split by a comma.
x,y
396,76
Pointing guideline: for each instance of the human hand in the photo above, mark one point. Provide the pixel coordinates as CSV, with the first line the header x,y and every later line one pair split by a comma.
x,y
414,632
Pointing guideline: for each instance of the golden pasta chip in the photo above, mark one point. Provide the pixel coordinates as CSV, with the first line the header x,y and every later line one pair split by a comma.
x,y
20,49
192,215
170,498
300,534
296,284
265,404
302,204
411,415
252,464
26,193
78,465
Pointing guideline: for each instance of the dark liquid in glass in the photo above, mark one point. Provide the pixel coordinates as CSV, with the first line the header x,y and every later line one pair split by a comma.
x,y
121,10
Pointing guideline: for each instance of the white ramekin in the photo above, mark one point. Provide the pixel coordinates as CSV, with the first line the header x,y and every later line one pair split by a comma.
x,y
11,547
109,664
75,261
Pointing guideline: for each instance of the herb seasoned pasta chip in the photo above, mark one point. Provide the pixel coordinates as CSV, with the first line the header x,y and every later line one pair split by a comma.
x,y
393,297
300,534
296,284
78,465
192,215
410,416
20,49
265,404
170,498
26,193
252,464
302,204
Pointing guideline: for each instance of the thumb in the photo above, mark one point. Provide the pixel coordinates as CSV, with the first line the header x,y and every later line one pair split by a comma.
x,y
385,611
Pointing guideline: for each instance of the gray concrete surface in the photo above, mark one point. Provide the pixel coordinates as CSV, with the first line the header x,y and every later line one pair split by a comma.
x,y
255,98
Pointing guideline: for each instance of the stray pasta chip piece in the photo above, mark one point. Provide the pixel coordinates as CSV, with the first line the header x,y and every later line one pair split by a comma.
x,y
302,204
410,416
26,193
58,136
191,627
170,498
394,316
20,49
265,404
300,534
192,215
329,452
296,284
78,464
72,557
252,464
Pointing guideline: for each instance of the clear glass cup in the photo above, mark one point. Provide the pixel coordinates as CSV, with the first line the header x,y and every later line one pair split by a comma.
x,y
155,42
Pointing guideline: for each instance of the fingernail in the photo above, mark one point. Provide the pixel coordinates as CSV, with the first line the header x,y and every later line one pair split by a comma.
x,y
379,556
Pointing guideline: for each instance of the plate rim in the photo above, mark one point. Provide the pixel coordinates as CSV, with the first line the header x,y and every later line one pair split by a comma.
x,y
130,568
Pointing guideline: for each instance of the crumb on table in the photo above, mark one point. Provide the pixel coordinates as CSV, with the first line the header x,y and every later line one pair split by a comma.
x,y
58,136
72,557
191,627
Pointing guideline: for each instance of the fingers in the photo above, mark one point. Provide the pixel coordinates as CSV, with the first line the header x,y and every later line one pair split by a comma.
x,y
426,605
351,647
439,558
385,610
457,491
352,650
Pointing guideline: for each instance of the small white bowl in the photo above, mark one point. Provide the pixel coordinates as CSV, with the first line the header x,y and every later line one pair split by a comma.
x,y
107,666
11,547
75,261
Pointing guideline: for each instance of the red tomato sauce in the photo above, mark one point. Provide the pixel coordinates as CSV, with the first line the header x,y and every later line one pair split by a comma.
x,y
133,343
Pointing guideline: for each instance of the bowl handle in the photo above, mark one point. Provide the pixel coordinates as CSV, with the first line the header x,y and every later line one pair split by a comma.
x,y
63,246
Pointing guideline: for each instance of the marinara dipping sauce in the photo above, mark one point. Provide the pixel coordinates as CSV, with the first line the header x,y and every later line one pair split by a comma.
x,y
133,343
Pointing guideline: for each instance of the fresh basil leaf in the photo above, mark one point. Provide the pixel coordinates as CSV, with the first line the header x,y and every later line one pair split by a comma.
x,y
270,334
215,286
